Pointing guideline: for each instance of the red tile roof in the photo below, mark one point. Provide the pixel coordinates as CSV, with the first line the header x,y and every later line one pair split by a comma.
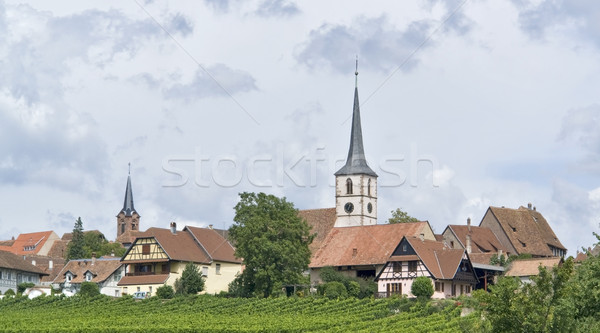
x,y
13,261
530,267
482,239
441,261
143,279
364,245
101,269
527,229
180,246
35,240
215,245
321,221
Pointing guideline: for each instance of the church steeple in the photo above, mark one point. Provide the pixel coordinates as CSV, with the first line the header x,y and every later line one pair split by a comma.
x,y
356,163
356,182
128,218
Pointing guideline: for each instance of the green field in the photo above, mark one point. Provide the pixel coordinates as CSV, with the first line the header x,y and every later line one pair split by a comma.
x,y
216,314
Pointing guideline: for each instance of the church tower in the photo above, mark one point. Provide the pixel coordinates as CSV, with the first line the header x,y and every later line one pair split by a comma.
x,y
128,218
355,182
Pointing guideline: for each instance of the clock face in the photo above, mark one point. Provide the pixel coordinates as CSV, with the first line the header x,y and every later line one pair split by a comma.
x,y
348,207
369,207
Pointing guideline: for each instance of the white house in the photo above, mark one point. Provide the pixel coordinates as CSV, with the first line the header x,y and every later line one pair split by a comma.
x,y
106,272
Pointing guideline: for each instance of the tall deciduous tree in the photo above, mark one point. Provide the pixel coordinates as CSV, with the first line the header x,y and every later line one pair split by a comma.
x,y
400,216
75,249
273,242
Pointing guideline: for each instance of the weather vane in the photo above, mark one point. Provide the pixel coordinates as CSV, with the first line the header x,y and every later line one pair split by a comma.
x,y
356,72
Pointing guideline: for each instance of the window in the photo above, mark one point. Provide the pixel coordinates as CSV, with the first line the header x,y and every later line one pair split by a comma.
x,y
146,249
0,275
122,227
69,277
468,289
218,266
394,288
88,277
412,266
348,186
452,244
397,267
139,289
404,248
204,271
9,275
117,277
439,286
133,227
369,188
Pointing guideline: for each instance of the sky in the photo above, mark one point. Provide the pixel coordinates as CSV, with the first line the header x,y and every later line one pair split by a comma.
x,y
464,105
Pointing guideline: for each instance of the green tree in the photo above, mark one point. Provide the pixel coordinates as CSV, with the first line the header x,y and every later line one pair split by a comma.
x,y
273,242
75,249
21,287
422,288
400,216
335,290
89,289
191,281
95,242
165,292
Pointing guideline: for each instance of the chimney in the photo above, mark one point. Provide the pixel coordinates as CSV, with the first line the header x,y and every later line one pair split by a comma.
x,y
354,252
93,258
499,253
422,237
173,228
534,208
210,226
469,224
469,244
50,264
529,206
33,262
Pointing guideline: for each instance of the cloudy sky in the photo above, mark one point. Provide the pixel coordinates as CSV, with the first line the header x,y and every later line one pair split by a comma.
x,y
465,104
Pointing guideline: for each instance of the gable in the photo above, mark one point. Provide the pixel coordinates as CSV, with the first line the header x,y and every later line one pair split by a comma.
x,y
145,249
404,249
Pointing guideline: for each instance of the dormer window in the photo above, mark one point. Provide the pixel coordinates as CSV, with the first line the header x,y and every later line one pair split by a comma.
x,y
88,277
69,277
348,186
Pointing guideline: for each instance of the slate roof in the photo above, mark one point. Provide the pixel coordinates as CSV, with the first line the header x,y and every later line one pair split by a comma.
x,y
527,229
214,244
374,244
128,207
12,261
321,222
441,261
482,239
102,269
530,267
356,163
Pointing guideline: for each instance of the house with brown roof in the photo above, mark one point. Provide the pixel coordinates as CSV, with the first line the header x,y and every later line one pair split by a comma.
x,y
320,221
449,270
159,256
15,270
106,272
363,251
526,268
34,243
523,230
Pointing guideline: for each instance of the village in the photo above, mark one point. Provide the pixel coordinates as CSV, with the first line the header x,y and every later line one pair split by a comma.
x,y
349,238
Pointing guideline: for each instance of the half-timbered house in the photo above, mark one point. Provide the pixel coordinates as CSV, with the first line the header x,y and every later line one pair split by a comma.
x,y
159,256
450,270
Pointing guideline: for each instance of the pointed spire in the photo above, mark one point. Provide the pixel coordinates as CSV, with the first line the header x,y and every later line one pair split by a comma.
x,y
128,208
356,163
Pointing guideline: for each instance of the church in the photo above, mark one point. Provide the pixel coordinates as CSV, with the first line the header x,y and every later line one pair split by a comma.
x,y
354,244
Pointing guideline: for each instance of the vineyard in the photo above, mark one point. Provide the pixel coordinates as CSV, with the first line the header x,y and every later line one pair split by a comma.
x,y
215,314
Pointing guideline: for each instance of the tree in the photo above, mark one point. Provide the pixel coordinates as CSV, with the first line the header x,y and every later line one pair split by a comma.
x,y
335,290
422,288
89,289
400,216
273,242
165,292
190,282
21,287
75,249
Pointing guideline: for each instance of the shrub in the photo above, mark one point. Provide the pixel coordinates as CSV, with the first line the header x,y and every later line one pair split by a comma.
x,y
334,290
165,292
89,289
9,293
422,287
353,288
23,286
